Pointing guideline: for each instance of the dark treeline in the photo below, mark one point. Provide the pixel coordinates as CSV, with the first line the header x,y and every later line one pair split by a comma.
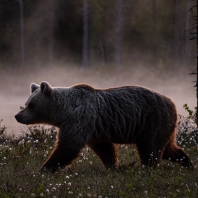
x,y
118,30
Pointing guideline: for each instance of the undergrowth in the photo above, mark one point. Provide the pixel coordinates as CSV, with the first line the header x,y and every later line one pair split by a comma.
x,y
22,156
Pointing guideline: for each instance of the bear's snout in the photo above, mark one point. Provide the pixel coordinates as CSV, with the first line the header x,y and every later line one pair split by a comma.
x,y
23,118
17,117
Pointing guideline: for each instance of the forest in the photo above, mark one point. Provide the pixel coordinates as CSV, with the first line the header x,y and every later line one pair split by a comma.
x,y
117,32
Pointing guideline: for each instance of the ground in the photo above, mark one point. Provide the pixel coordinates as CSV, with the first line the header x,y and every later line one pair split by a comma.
x,y
22,156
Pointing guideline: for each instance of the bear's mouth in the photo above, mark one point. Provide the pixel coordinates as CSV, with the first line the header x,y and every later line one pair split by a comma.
x,y
19,118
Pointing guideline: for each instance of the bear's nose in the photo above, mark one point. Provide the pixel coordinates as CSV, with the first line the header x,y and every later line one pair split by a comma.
x,y
17,117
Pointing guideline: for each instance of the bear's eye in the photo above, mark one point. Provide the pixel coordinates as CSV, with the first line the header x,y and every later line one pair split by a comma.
x,y
30,106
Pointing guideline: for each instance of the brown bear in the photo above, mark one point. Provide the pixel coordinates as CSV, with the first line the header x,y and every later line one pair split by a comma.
x,y
101,118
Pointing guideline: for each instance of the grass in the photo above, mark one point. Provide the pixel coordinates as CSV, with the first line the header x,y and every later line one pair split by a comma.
x,y
22,156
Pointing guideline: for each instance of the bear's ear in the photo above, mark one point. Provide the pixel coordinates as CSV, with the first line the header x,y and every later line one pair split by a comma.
x,y
46,88
33,87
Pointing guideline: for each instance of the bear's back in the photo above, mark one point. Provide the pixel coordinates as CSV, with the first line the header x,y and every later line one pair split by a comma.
x,y
127,111
140,96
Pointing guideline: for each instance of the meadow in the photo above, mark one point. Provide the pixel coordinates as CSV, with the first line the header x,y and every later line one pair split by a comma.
x,y
22,155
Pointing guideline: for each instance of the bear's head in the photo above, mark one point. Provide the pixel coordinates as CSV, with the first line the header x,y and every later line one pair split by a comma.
x,y
38,106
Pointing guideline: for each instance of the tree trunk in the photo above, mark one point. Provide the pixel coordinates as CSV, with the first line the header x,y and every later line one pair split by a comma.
x,y
187,48
85,35
21,10
154,10
177,34
118,27
51,30
197,63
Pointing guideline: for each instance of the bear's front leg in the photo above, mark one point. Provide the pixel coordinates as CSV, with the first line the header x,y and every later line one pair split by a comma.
x,y
59,158
64,153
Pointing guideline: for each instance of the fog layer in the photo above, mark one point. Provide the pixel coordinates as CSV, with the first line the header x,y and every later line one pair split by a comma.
x,y
15,85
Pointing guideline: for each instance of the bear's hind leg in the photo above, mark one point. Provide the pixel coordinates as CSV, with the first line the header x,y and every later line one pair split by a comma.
x,y
174,153
107,152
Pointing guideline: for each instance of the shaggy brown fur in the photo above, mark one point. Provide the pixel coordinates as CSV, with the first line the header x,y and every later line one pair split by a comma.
x,y
102,118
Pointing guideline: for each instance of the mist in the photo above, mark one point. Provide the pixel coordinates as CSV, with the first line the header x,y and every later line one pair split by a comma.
x,y
101,43
15,86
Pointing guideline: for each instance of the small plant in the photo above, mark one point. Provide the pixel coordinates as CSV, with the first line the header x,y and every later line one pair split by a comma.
x,y
2,128
187,129
192,114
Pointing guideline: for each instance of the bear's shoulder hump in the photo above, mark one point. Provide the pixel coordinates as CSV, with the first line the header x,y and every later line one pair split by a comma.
x,y
84,87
